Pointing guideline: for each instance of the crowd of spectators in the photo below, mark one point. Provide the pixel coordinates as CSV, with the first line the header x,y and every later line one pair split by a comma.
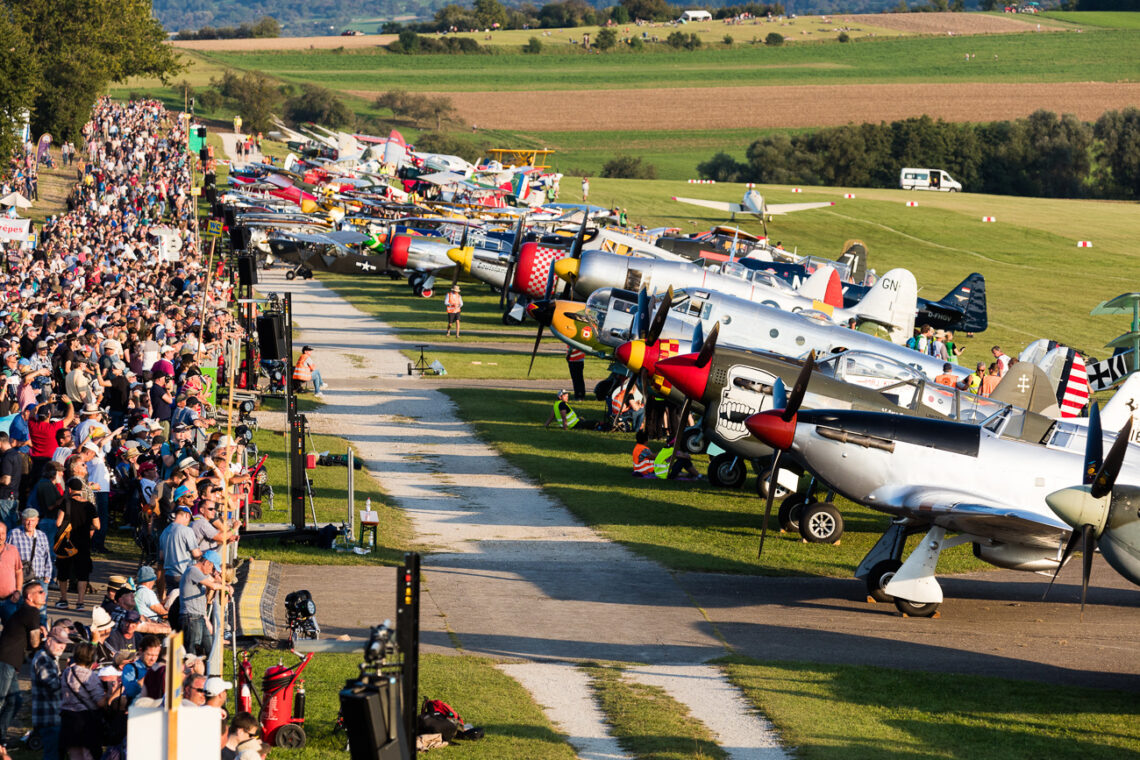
x,y
106,433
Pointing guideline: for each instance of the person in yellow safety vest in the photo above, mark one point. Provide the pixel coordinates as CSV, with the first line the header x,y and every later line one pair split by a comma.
x,y
563,412
453,302
643,464
306,370
681,463
973,383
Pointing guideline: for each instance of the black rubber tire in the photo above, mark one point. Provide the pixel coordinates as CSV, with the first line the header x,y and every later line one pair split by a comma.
x,y
727,471
821,523
693,440
910,609
290,736
510,321
290,275
789,514
879,576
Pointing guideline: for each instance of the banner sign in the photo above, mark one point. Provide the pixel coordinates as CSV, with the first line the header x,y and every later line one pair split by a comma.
x,y
14,229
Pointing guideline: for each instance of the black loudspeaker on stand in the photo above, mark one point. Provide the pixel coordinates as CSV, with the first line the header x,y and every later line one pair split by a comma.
x,y
271,337
247,271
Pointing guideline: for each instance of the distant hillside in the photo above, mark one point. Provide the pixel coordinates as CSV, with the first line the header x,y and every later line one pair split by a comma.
x,y
296,16
307,17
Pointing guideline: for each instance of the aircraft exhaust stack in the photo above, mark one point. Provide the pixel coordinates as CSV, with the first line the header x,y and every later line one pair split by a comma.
x,y
770,427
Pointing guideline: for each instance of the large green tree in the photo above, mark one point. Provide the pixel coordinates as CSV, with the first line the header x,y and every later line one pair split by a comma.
x,y
1119,149
80,47
18,77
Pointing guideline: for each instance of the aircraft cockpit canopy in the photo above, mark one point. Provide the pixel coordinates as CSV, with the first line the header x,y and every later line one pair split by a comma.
x,y
867,369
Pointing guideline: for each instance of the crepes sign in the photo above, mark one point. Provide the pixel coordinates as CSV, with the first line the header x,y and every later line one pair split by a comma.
x,y
14,229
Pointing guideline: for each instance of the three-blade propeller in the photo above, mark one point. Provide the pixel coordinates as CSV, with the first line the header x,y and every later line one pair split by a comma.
x,y
1086,508
787,405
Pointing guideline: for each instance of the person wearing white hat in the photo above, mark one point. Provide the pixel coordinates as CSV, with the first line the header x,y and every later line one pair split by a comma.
x,y
216,689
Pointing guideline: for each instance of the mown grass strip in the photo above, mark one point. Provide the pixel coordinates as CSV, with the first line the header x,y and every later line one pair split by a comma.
x,y
847,712
515,726
647,722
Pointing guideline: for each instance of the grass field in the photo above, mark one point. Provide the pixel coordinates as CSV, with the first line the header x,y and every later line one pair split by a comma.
x,y
1103,56
1101,19
857,713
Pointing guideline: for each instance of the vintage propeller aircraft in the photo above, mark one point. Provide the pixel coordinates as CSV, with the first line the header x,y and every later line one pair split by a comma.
x,y
753,203
936,476
889,303
606,320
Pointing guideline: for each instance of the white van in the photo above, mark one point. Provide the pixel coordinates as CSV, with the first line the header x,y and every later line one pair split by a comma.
x,y
928,179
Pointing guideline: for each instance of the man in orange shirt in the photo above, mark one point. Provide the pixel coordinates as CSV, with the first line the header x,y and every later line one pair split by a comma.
x,y
992,378
947,376
11,576
453,302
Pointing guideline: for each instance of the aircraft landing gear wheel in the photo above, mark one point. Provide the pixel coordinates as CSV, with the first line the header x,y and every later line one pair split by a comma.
x,y
910,609
510,321
693,440
880,576
789,514
290,275
410,368
727,471
821,523
290,736
762,486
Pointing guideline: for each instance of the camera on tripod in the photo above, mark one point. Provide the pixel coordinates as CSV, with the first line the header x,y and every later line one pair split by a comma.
x,y
371,705
301,616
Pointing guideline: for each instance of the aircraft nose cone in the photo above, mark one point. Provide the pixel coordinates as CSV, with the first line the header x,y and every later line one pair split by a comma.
x,y
769,427
1076,507
399,253
541,312
462,257
652,355
567,269
631,354
683,374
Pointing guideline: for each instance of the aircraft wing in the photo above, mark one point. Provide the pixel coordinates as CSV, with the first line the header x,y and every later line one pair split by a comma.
x,y
967,513
732,208
787,208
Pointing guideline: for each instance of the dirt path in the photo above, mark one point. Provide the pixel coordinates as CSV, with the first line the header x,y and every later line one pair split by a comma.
x,y
774,106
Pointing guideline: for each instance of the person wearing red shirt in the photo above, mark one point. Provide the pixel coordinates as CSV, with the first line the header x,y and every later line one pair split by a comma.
x,y
42,430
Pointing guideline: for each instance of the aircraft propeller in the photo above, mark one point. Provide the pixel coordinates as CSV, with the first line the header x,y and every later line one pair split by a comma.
x,y
786,411
648,331
462,244
575,254
512,261
708,348
1086,508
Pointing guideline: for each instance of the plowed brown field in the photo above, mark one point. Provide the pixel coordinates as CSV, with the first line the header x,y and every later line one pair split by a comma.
x,y
800,106
942,23
287,43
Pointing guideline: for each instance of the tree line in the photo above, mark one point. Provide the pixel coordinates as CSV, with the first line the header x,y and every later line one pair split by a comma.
x,y
492,14
1041,155
58,56
266,26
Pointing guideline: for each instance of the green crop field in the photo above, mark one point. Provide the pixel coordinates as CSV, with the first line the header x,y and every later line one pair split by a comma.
x,y
1102,19
1102,56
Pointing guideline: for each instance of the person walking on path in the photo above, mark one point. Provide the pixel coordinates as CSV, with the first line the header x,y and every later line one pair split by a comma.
x,y
576,362
453,302
585,189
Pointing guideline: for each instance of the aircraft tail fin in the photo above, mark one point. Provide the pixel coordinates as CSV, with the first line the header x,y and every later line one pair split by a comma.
x,y
1124,404
1027,386
823,285
1073,390
891,303
970,296
855,257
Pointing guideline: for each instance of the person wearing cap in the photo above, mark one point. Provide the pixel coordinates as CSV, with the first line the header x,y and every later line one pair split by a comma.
x,y
80,520
32,544
197,582
453,304
22,635
99,478
306,370
177,547
147,603
564,413
100,629
162,402
117,394
210,536
216,691
947,375
47,689
126,636
165,365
